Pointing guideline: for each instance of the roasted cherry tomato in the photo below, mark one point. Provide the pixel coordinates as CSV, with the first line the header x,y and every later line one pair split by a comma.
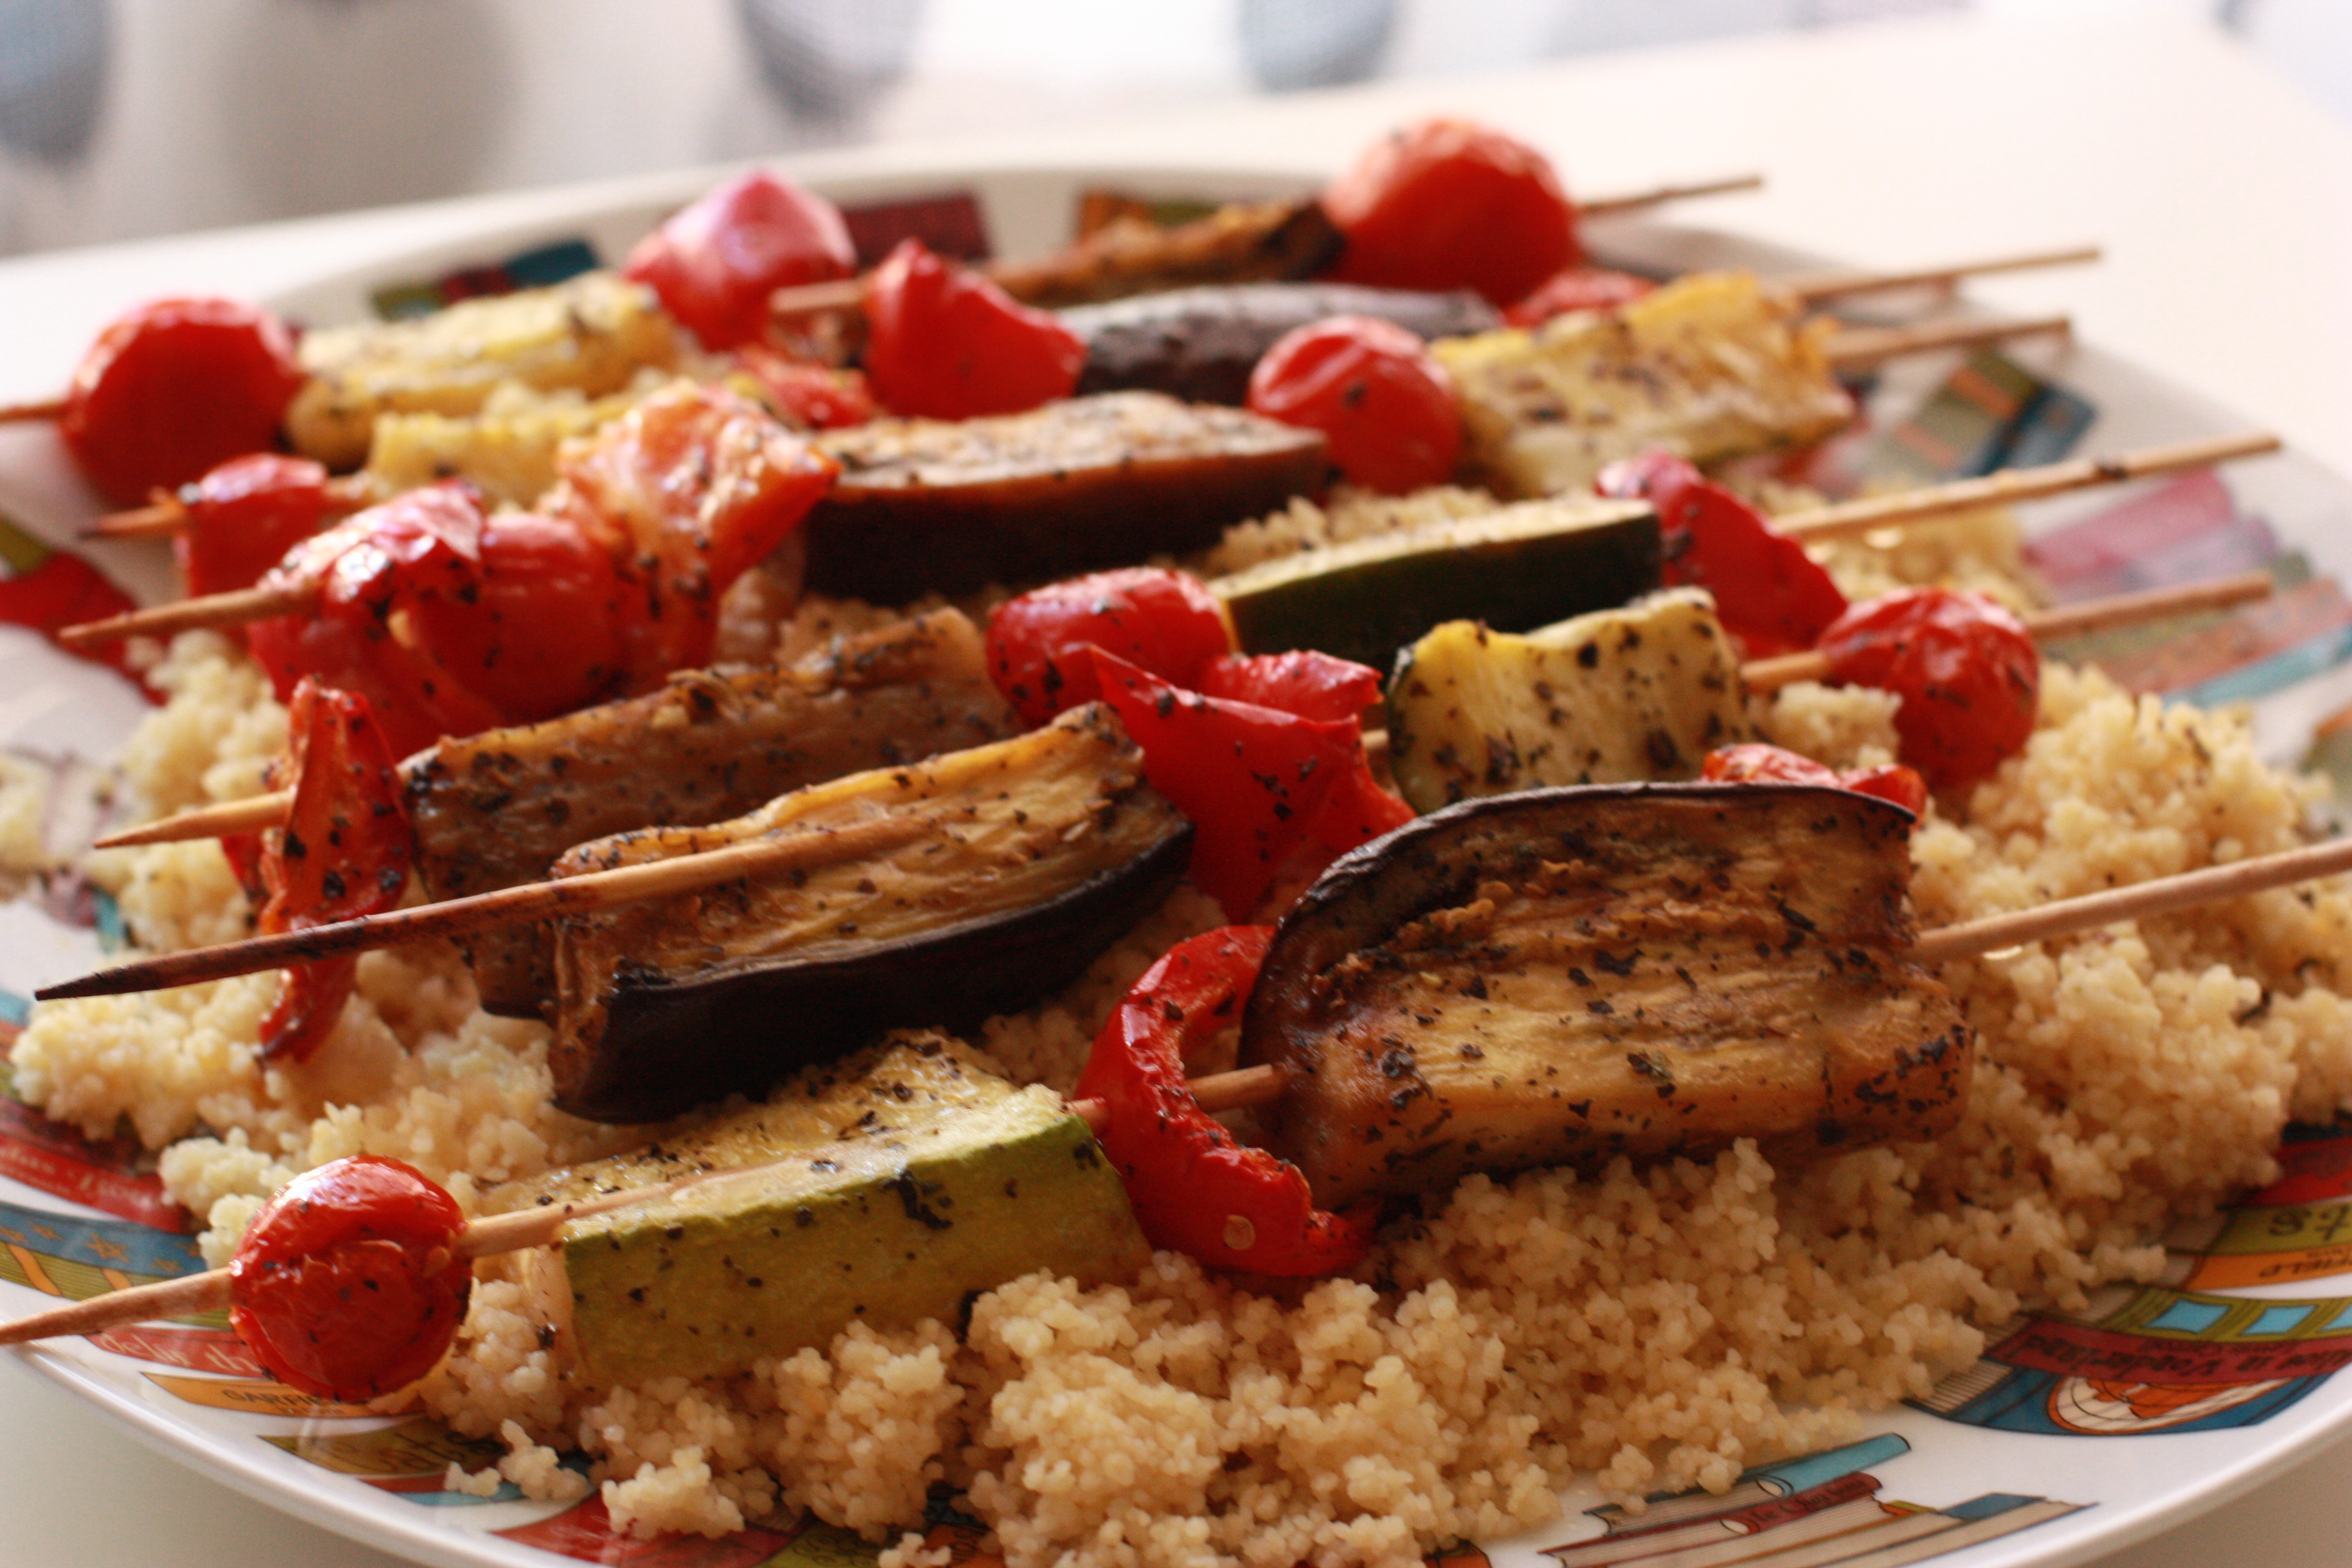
x,y
342,854
1384,405
350,1284
1194,1188
536,629
944,343
1965,666
717,260
173,388
244,516
689,490
1577,288
1754,760
1449,204
1262,787
1769,593
1162,621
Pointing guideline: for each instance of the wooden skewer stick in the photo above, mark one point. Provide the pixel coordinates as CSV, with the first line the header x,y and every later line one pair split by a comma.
x,y
231,609
167,514
1819,288
2020,484
582,894
1858,348
542,1226
254,813
538,1227
2092,615
23,413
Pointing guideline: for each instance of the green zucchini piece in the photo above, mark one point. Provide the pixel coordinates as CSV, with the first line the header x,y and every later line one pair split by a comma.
x,y
1516,568
1566,976
1614,697
1041,851
916,1176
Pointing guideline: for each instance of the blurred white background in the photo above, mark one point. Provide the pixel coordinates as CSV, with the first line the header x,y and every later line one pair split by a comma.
x,y
127,118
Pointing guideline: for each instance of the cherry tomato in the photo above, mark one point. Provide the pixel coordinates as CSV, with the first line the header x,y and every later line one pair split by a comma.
x,y
717,260
1577,288
1385,406
173,388
1965,666
349,1283
536,629
816,396
944,343
1769,593
244,516
1449,204
1162,621
1891,781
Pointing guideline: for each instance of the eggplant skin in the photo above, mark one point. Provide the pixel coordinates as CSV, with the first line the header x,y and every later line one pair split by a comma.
x,y
1202,344
1043,849
1572,975
950,506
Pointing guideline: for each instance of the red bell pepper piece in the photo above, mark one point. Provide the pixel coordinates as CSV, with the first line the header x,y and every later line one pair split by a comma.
x,y
1194,1188
1577,288
1163,621
944,343
715,260
1309,684
1770,594
1259,785
63,591
343,853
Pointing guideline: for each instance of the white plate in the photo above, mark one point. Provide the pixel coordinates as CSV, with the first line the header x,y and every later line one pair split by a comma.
x,y
2167,1447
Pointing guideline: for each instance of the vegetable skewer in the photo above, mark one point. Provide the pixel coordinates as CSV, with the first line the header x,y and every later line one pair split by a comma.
x,y
1259,1085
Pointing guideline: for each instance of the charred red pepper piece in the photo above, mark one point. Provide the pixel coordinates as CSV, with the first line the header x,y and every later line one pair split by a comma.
x,y
1754,760
1309,684
63,591
814,397
715,260
1260,785
1194,1187
343,853
170,389
944,343
1965,666
1163,621
1769,593
244,515
349,1283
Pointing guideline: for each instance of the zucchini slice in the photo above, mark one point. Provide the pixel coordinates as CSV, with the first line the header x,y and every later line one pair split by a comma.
x,y
1516,568
1042,850
495,809
1568,975
1615,697
919,1175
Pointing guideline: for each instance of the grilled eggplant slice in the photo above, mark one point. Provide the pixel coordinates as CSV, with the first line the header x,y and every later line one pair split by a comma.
x,y
1516,568
1615,697
936,506
1201,344
1044,849
1709,366
1568,975
495,809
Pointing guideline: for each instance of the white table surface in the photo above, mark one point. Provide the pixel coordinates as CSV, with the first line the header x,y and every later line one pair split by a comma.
x,y
2224,200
